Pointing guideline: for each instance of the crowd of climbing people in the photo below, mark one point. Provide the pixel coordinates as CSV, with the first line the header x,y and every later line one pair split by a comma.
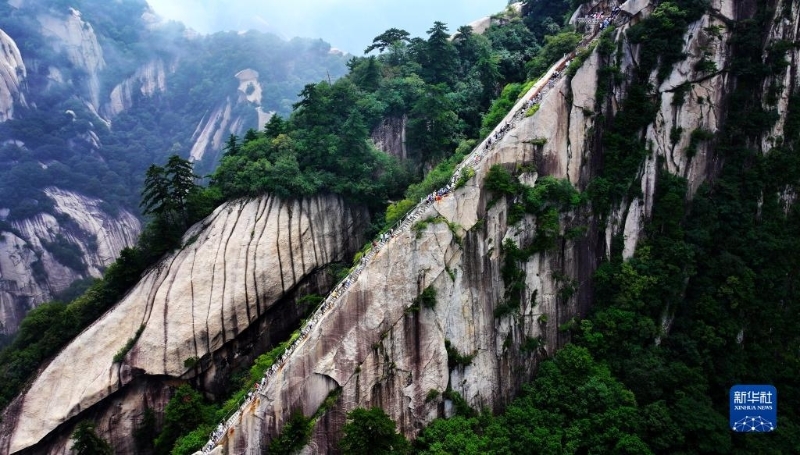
x,y
402,226
536,95
601,18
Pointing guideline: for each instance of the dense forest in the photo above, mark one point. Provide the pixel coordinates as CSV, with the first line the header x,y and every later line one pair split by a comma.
x,y
723,264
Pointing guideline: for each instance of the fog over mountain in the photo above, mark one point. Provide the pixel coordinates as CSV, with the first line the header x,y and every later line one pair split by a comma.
x,y
349,25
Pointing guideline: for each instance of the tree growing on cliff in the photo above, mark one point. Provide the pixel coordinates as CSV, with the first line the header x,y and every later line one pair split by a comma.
x,y
185,411
167,190
296,434
387,39
87,442
173,199
371,432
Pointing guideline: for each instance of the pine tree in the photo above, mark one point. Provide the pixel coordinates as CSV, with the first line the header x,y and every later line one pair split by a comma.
x,y
232,146
371,432
439,57
87,442
166,196
155,195
180,178
387,39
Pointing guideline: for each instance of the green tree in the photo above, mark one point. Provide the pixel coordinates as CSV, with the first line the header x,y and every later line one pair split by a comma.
x,y
155,195
185,411
371,432
296,434
439,59
554,48
87,442
181,181
232,146
434,127
175,201
459,435
387,39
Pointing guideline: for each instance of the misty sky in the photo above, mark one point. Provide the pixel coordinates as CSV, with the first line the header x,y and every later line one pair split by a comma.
x,y
348,25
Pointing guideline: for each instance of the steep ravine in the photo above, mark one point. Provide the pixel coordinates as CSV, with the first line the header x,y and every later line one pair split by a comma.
x,y
223,299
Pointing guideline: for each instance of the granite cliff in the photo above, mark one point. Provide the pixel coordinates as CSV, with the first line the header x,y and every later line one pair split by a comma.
x,y
12,74
32,270
223,298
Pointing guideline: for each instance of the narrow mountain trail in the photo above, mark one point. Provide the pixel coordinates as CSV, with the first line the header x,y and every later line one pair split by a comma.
x,y
403,227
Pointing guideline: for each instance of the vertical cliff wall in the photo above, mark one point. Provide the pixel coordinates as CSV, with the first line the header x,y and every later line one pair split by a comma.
x,y
76,38
12,74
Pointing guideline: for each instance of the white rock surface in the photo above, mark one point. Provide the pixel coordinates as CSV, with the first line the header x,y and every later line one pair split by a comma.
x,y
249,78
149,79
99,236
12,74
77,39
235,265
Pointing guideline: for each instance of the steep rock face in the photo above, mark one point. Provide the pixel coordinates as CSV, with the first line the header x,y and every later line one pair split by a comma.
x,y
378,351
213,130
693,103
12,73
147,81
381,353
229,117
390,136
26,251
77,39
250,90
216,300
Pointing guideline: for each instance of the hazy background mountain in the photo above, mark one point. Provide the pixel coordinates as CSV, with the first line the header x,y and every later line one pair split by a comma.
x,y
348,25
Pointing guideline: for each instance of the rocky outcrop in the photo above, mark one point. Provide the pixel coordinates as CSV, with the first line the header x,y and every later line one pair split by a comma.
x,y
146,81
226,119
219,300
213,130
12,74
481,25
692,104
78,41
250,90
30,271
390,136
